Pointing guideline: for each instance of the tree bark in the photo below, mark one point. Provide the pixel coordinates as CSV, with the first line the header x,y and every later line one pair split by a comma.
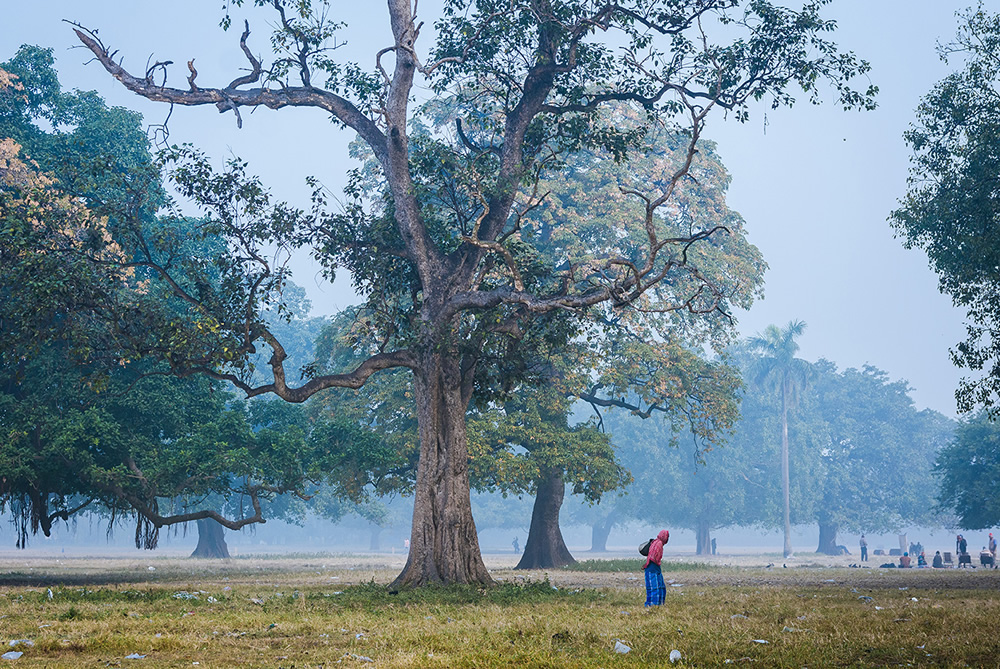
x,y
828,538
785,391
211,540
703,537
599,533
444,544
545,548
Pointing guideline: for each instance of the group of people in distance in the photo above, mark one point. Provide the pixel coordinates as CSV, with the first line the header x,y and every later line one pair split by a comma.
x,y
656,589
987,557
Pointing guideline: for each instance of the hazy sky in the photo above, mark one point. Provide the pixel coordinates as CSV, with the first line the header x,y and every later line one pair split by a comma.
x,y
815,184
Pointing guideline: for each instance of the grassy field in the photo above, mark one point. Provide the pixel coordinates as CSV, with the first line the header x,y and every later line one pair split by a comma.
x,y
321,611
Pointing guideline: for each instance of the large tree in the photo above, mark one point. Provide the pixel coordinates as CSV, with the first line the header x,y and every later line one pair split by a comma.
x,y
778,365
875,462
453,284
952,207
84,423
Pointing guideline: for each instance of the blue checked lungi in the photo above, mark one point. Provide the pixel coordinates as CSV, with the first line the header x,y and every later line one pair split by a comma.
x,y
656,589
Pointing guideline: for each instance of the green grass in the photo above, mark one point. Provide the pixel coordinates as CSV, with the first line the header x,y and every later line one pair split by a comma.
x,y
280,618
634,566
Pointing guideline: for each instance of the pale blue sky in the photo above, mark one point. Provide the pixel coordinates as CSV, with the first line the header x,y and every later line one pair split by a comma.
x,y
815,188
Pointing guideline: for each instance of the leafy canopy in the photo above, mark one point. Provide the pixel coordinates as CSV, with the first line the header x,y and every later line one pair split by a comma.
x,y
952,207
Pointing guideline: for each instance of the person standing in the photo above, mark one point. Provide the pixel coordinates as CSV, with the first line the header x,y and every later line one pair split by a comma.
x,y
864,549
656,589
993,549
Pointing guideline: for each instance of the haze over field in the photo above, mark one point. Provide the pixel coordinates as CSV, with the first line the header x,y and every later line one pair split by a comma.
x,y
572,289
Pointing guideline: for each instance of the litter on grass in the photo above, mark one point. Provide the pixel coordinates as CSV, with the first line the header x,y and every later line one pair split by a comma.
x,y
21,642
359,658
675,656
12,655
621,648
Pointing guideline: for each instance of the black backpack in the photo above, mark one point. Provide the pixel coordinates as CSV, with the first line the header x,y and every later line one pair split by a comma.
x,y
644,549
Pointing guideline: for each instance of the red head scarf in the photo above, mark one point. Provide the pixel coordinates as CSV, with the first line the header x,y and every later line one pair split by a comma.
x,y
656,548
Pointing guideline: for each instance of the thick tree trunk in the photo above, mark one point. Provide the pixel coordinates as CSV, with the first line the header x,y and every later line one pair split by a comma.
x,y
785,392
703,537
828,538
211,540
545,548
444,544
599,533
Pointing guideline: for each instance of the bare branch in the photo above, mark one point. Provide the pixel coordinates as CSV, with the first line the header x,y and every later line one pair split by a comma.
x,y
231,98
193,76
255,71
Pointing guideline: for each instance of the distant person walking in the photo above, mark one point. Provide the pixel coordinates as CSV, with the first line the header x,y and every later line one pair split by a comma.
x,y
656,589
516,544
993,549
864,549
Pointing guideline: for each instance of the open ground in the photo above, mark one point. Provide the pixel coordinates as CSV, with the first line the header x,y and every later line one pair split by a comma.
x,y
324,610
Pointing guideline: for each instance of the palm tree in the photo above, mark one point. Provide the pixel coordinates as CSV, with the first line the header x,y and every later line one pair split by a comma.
x,y
777,364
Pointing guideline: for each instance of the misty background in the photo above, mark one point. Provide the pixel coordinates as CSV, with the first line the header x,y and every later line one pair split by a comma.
x,y
814,184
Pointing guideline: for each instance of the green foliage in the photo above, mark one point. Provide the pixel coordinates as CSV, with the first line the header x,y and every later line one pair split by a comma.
x,y
680,483
969,468
952,207
875,464
514,449
87,423
861,458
